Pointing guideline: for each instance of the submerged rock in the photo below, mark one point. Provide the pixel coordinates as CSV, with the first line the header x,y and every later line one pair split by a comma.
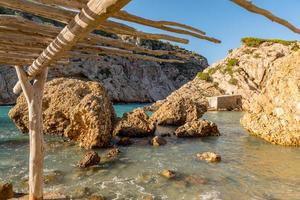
x,y
274,115
113,153
178,112
79,110
124,141
90,159
135,124
209,157
96,197
197,128
148,197
47,195
81,193
168,174
53,177
194,180
158,141
6,191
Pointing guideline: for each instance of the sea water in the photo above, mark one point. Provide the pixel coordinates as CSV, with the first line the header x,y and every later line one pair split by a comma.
x,y
250,168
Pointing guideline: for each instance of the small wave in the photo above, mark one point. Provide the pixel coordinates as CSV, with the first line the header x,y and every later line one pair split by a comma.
x,y
212,195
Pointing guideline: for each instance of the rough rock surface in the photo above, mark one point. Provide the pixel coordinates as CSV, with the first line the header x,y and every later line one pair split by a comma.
x,y
125,79
158,141
79,110
6,191
244,71
197,128
178,112
89,159
274,115
134,124
168,173
113,153
196,90
209,157
124,141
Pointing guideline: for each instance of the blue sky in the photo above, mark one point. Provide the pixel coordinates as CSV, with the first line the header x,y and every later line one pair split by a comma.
x,y
221,19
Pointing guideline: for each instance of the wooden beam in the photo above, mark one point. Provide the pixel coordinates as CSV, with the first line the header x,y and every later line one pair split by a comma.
x,y
85,22
162,25
65,16
253,8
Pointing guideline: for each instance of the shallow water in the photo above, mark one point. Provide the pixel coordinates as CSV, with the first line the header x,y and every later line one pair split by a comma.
x,y
250,167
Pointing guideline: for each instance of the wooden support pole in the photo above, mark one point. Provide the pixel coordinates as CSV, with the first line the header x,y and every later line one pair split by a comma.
x,y
95,12
85,22
34,95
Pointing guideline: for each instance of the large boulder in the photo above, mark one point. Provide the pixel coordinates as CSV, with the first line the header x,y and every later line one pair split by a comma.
x,y
89,159
134,124
6,191
78,110
274,115
178,112
197,128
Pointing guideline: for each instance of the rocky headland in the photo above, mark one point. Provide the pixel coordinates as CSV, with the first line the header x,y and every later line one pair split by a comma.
x,y
125,79
266,74
274,114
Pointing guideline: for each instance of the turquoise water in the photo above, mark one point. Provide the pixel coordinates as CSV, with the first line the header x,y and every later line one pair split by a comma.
x,y
250,168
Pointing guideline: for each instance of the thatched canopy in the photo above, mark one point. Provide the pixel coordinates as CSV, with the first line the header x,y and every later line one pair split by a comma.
x,y
22,40
38,45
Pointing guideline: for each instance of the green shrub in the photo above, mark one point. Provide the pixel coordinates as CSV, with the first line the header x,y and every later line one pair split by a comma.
x,y
213,70
204,76
295,47
257,55
256,42
233,81
232,62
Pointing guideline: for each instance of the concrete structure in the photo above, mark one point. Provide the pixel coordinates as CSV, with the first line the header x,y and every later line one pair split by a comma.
x,y
225,102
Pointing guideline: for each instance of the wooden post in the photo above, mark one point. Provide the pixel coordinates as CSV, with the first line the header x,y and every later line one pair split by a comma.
x,y
34,95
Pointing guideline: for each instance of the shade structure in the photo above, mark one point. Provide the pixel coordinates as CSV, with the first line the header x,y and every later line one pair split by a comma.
x,y
27,42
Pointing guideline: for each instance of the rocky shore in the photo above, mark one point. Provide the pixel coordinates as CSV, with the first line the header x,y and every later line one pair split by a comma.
x,y
265,73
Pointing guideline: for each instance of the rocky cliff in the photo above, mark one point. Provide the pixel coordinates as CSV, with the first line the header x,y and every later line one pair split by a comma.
x,y
126,79
274,114
267,75
244,71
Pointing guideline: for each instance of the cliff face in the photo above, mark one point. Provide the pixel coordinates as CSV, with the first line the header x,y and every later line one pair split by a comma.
x,y
267,75
274,114
246,70
126,79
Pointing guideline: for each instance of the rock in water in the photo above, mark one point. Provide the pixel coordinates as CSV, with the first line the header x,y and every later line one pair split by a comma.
x,y
90,159
178,112
6,191
274,115
209,157
197,128
135,124
113,153
158,141
96,197
79,110
124,141
168,174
